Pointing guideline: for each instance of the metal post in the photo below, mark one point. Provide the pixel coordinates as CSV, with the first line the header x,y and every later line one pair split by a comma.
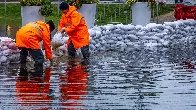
x,y
119,10
104,14
115,13
153,14
96,15
125,12
58,6
99,17
5,9
126,19
110,12
5,34
157,12
130,15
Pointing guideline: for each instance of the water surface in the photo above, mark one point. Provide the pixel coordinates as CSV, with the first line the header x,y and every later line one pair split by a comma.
x,y
159,79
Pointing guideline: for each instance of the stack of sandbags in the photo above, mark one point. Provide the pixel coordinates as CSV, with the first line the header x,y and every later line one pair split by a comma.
x,y
8,51
127,37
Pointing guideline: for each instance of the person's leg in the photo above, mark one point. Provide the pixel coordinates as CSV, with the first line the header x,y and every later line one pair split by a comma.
x,y
23,55
71,50
38,57
85,52
23,74
23,71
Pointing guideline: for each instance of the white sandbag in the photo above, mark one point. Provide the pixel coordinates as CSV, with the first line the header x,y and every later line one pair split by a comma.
x,y
98,45
92,47
58,40
3,39
117,30
12,57
114,37
92,32
138,27
132,37
108,32
7,52
97,28
4,48
130,44
130,27
120,38
60,51
98,33
3,59
110,27
131,32
141,33
12,45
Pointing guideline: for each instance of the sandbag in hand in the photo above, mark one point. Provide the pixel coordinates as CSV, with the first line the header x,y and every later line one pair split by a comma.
x,y
58,40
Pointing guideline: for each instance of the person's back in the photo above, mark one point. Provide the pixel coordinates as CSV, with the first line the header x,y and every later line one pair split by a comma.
x,y
31,34
28,39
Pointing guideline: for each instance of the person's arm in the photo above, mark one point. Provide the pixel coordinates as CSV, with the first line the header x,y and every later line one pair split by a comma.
x,y
61,24
47,46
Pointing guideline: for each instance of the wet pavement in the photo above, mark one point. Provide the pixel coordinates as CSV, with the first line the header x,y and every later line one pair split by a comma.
x,y
159,79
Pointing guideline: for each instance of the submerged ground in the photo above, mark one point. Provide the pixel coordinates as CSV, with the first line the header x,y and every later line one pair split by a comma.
x,y
139,80
162,78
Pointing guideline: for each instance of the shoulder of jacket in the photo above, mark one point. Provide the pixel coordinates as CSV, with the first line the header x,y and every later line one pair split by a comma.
x,y
76,13
43,26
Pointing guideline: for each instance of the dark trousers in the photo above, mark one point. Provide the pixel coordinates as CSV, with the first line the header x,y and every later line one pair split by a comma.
x,y
24,73
84,50
36,54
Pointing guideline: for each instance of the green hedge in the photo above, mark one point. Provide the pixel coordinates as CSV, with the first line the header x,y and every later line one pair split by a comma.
x,y
13,13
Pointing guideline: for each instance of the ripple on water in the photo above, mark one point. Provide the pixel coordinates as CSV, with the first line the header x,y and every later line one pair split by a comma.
x,y
143,79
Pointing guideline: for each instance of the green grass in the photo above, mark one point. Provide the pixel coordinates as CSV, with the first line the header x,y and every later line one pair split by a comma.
x,y
112,13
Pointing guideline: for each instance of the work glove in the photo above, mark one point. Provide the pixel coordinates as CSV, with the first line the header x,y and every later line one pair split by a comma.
x,y
62,30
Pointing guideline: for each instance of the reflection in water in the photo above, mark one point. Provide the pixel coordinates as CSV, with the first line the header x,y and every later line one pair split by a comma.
x,y
32,89
125,80
73,85
138,80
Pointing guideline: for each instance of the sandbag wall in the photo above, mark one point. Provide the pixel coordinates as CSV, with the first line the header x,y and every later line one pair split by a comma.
x,y
8,52
127,37
123,38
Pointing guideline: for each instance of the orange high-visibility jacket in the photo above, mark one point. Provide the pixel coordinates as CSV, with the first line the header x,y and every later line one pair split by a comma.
x,y
75,27
31,34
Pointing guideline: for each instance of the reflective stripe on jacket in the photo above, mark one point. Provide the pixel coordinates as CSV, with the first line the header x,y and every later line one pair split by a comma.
x,y
30,35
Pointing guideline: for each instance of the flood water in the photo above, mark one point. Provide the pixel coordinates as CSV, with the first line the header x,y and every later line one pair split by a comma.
x,y
138,80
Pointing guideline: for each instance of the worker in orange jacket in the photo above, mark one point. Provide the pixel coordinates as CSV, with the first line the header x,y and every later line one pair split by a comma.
x,y
73,23
28,38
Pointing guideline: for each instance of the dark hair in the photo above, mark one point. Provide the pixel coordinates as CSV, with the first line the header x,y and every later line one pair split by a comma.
x,y
51,24
64,6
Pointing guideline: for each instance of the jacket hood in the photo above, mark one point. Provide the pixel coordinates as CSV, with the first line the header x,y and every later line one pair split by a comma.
x,y
71,9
